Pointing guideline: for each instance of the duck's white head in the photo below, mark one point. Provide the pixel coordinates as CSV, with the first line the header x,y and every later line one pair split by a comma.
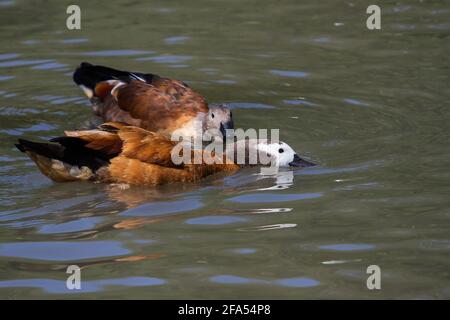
x,y
282,155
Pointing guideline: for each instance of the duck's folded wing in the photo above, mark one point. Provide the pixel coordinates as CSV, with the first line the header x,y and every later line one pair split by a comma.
x,y
146,146
104,140
146,158
88,76
114,139
164,104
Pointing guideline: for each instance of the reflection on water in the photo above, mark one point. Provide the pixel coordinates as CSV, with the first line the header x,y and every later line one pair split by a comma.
x,y
62,251
283,180
114,53
293,282
270,227
371,108
244,251
59,287
273,198
215,220
292,74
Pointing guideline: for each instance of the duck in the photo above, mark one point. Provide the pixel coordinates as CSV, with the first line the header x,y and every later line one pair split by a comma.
x,y
117,153
150,102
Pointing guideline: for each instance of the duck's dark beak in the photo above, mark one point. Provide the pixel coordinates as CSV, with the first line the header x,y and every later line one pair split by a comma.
x,y
224,126
299,162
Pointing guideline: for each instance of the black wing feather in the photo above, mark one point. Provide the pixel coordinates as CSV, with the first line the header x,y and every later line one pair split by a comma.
x,y
89,75
70,150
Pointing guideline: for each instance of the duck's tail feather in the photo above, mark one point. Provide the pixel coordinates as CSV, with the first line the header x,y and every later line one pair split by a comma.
x,y
87,76
67,160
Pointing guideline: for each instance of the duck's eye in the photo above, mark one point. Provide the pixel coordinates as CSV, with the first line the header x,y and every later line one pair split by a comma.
x,y
212,115
281,150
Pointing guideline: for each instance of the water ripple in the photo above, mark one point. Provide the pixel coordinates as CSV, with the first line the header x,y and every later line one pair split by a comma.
x,y
163,207
74,41
63,251
249,105
4,78
290,74
59,287
299,282
72,226
49,66
244,251
270,227
20,63
166,59
347,247
176,39
6,56
356,102
274,197
300,102
116,53
215,220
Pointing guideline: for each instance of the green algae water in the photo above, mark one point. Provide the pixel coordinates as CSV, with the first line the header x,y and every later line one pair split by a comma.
x,y
370,107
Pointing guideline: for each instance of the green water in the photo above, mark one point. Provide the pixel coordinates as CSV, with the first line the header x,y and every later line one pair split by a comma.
x,y
370,107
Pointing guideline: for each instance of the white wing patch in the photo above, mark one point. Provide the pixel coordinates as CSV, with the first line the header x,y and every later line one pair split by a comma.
x,y
134,76
87,91
117,85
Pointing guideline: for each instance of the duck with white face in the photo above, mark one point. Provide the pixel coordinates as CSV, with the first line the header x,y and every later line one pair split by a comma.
x,y
282,155
260,152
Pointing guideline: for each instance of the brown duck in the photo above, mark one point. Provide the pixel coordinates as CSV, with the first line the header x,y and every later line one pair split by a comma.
x,y
149,101
116,153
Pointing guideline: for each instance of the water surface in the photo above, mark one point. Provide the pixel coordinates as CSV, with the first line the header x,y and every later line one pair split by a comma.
x,y
371,107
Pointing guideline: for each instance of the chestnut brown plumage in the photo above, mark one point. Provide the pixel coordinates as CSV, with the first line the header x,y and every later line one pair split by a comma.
x,y
116,153
149,101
